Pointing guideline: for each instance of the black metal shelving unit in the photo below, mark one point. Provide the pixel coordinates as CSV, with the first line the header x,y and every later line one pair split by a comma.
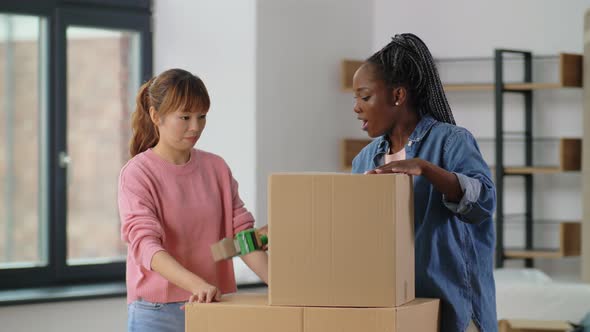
x,y
499,91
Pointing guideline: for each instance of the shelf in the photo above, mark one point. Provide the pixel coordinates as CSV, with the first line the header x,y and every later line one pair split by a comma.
x,y
350,147
532,86
570,76
520,218
569,245
570,159
469,87
532,170
349,67
518,137
507,171
523,325
508,86
570,152
521,254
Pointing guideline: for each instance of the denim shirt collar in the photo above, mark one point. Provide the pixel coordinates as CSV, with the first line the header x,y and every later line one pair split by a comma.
x,y
422,128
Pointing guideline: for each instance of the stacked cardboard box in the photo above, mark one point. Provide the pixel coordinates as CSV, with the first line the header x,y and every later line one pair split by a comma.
x,y
341,258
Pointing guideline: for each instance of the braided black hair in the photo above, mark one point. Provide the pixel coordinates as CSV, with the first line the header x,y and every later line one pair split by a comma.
x,y
406,61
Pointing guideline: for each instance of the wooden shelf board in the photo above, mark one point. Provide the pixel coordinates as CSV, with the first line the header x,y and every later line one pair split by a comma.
x,y
570,243
533,170
570,76
490,87
507,86
532,86
515,253
348,68
469,87
533,325
570,69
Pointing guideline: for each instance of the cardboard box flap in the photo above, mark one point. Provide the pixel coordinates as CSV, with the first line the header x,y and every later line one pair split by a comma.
x,y
418,302
418,315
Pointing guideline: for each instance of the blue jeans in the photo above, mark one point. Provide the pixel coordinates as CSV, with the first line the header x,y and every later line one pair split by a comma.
x,y
144,316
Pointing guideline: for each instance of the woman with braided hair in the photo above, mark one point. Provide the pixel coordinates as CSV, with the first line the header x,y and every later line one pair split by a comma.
x,y
401,102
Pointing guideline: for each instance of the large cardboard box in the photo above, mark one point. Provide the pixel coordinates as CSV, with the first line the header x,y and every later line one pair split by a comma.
x,y
251,313
341,240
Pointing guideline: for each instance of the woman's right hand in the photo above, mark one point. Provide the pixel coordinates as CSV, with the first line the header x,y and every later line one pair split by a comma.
x,y
205,293
263,231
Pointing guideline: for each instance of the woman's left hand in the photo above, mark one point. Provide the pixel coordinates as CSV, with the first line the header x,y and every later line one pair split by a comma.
x,y
410,166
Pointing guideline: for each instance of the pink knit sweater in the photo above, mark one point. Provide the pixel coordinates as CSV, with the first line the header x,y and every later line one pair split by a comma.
x,y
181,209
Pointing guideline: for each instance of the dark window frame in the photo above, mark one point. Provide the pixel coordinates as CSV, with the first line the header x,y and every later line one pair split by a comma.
x,y
133,15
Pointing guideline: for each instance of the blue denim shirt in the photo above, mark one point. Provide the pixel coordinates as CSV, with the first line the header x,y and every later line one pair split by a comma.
x,y
454,241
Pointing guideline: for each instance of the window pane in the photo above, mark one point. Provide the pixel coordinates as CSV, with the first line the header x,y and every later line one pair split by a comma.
x,y
103,77
22,143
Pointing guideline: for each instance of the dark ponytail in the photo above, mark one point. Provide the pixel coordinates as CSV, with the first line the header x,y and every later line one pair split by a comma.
x,y
145,133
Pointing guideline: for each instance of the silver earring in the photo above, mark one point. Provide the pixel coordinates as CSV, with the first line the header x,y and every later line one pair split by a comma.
x,y
396,103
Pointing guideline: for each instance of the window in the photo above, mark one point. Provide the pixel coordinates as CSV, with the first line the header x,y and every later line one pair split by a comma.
x,y
23,199
69,72
102,80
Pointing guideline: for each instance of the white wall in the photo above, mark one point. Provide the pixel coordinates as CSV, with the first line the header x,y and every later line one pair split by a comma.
x,y
302,114
216,40
459,29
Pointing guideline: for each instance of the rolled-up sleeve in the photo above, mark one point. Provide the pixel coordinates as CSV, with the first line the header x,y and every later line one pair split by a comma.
x,y
471,189
140,227
463,158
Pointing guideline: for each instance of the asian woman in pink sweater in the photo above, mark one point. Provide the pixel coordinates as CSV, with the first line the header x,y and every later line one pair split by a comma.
x,y
174,202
